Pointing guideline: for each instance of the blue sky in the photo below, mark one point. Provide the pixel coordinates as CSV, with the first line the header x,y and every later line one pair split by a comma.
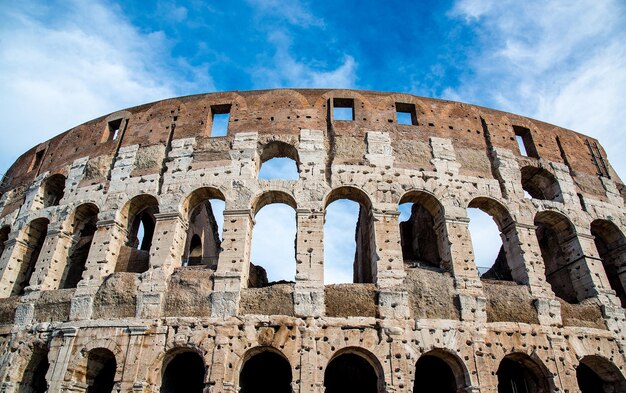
x,y
63,63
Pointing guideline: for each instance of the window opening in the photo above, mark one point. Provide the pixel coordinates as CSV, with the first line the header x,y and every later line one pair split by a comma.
x,y
520,375
184,373
53,190
489,254
611,246
279,168
538,183
350,372
114,127
220,117
273,256
85,225
37,160
343,109
419,241
134,256
595,374
405,114
101,367
525,142
266,372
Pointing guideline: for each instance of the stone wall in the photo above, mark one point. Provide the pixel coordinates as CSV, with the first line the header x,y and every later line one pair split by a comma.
x,y
139,308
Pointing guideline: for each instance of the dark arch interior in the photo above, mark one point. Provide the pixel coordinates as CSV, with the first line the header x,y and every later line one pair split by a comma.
x,y
420,243
433,374
588,380
53,190
4,236
100,371
35,236
610,244
203,239
184,374
540,184
350,373
86,218
516,377
34,378
134,256
595,374
265,372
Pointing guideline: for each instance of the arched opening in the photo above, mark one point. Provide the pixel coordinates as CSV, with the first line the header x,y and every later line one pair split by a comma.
x,y
34,235
139,214
611,246
266,371
53,190
597,375
84,227
101,367
491,247
34,377
349,246
562,256
184,373
273,255
279,161
4,236
206,218
518,373
541,184
439,371
351,372
420,215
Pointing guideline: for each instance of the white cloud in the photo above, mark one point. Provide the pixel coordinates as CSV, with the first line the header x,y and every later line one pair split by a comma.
x,y
64,64
559,61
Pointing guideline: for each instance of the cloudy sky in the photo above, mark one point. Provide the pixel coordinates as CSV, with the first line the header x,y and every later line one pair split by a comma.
x,y
63,63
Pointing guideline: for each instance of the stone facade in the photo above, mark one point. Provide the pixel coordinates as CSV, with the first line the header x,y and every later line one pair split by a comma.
x,y
89,304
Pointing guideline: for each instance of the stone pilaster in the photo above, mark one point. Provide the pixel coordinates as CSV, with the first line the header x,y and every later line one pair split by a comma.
x,y
309,289
53,258
61,351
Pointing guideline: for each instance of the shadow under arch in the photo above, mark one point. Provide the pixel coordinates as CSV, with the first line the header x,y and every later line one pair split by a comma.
x,y
518,371
452,374
264,369
539,183
82,225
611,245
598,374
183,370
561,252
354,369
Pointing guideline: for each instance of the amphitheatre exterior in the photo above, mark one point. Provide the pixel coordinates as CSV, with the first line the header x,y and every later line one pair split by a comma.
x,y
90,305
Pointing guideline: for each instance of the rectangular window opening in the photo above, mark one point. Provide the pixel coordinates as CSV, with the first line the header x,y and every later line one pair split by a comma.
x,y
525,142
37,160
220,116
343,109
405,114
114,129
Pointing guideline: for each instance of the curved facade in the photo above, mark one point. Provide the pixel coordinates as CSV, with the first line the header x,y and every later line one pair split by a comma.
x,y
113,276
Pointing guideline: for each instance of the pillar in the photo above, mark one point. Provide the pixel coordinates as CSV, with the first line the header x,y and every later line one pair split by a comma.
x,y
309,288
61,346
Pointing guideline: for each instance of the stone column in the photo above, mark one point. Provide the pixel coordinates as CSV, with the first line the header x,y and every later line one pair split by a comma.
x,y
129,381
393,296
15,250
51,264
61,346
459,254
105,248
234,263
165,256
309,288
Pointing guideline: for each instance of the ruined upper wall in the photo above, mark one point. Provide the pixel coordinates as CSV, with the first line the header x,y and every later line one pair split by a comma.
x,y
281,114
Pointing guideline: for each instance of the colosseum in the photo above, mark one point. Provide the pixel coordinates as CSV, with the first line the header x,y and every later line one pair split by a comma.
x,y
114,277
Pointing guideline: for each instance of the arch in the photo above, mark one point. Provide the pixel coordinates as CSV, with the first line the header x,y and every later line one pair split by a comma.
x,y
259,364
354,369
422,244
53,189
139,216
83,227
279,160
34,234
4,236
276,226
519,373
611,245
34,377
364,263
269,197
597,374
500,267
203,243
452,375
183,371
541,184
100,372
561,253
